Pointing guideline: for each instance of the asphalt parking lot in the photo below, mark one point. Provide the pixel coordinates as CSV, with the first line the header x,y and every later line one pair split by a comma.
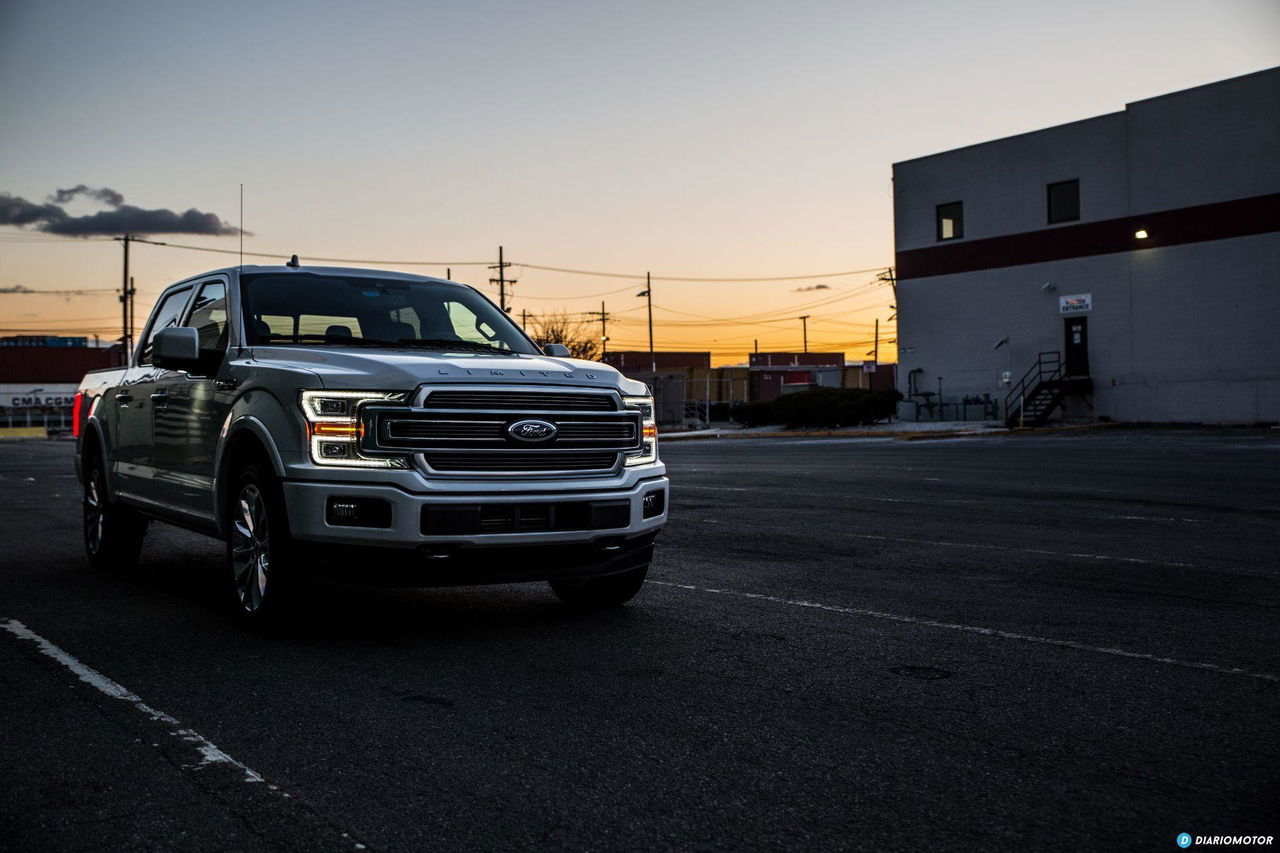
x,y
1059,641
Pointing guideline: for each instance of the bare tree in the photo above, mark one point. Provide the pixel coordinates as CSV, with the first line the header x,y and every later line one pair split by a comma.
x,y
558,327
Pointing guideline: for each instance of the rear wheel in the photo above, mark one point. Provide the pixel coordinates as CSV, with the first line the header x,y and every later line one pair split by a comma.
x,y
260,551
600,593
112,533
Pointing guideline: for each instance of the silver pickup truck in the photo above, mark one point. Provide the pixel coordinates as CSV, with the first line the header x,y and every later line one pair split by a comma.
x,y
365,423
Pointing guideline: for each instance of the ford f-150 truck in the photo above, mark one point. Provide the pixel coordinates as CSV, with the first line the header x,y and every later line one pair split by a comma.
x,y
353,420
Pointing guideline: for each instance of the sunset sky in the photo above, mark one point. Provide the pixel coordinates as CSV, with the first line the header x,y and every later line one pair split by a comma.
x,y
692,139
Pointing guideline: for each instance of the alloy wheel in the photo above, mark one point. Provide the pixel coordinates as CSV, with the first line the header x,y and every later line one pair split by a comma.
x,y
95,518
251,548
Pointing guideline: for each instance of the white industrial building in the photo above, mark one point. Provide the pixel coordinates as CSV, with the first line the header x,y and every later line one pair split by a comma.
x,y
1138,251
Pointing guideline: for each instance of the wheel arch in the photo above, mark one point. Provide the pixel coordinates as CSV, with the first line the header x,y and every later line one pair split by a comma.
x,y
247,440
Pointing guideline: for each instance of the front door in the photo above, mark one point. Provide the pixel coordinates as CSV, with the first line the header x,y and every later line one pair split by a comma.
x,y
1076,347
190,409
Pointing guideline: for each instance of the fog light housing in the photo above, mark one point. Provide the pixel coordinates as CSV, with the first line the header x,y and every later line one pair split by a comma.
x,y
654,504
347,511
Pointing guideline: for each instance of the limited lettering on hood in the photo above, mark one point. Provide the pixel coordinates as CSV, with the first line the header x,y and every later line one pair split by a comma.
x,y
462,371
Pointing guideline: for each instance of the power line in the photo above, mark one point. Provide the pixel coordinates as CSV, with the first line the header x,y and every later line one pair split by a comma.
x,y
314,258
25,292
639,276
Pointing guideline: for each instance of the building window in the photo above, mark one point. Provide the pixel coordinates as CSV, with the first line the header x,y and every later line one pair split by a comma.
x,y
951,220
1064,201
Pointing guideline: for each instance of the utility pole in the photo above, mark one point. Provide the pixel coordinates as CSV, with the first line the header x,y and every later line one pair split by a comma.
x,y
604,327
804,323
132,301
448,273
524,319
648,291
502,281
126,331
876,356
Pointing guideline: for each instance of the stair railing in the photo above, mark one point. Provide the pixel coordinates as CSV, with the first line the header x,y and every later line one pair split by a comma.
x,y
1048,367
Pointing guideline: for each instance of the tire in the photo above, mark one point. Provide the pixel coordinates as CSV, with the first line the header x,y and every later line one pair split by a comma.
x,y
113,534
261,555
600,593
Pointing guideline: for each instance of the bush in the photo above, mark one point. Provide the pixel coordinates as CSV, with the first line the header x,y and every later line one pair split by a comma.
x,y
821,407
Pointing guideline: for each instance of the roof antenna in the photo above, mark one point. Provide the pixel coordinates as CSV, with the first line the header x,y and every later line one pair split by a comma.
x,y
293,262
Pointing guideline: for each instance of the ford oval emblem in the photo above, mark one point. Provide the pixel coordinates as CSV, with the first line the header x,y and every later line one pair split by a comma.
x,y
532,431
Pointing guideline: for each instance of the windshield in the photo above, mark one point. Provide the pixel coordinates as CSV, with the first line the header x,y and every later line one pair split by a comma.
x,y
355,311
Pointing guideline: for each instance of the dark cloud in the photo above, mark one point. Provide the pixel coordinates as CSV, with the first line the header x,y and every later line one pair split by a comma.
x,y
122,218
813,287
16,210
17,288
128,219
106,195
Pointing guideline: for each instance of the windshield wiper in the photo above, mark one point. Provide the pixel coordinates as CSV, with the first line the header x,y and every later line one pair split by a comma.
x,y
447,344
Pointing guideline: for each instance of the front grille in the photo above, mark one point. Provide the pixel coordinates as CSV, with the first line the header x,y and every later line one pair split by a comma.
x,y
467,431
419,430
603,430
521,401
415,431
520,461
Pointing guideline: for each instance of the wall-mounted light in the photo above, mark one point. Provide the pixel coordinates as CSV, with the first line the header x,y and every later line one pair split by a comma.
x,y
1048,286
1141,234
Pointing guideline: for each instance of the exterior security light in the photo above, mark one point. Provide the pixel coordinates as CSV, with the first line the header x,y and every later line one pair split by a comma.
x,y
1141,234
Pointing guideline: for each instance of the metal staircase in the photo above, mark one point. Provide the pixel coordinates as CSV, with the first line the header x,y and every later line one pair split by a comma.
x,y
1038,394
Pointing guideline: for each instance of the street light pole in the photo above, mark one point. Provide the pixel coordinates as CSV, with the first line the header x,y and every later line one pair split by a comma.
x,y
648,291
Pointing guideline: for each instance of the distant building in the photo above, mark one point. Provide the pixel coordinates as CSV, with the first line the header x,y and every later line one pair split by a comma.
x,y
42,341
1129,263
630,361
41,374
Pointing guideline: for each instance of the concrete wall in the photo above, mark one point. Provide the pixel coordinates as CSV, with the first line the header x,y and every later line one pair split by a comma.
x,y
1179,333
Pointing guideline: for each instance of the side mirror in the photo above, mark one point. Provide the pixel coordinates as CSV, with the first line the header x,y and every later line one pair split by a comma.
x,y
177,348
556,350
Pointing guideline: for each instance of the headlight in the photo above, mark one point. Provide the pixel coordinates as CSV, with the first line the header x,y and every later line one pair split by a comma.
x,y
648,431
334,428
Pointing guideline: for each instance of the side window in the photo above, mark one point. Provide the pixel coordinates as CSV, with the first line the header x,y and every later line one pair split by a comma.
x,y
167,314
209,316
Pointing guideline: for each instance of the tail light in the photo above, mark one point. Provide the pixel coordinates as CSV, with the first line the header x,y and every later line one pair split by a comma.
x,y
75,414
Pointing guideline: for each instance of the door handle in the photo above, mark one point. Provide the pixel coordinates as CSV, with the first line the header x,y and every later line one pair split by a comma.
x,y
160,398
124,397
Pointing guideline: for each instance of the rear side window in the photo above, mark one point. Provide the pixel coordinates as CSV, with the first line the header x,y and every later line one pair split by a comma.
x,y
167,314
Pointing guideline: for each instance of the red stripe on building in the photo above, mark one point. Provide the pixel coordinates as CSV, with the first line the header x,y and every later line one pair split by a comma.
x,y
1240,218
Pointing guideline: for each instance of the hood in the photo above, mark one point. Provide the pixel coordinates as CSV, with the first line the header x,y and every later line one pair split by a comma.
x,y
390,369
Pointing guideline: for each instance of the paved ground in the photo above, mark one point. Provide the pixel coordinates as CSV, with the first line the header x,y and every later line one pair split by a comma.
x,y
1023,642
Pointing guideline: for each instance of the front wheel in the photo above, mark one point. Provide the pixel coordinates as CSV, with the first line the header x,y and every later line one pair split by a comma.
x,y
260,551
600,593
112,534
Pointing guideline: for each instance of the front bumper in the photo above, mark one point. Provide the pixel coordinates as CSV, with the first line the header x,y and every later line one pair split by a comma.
x,y
606,514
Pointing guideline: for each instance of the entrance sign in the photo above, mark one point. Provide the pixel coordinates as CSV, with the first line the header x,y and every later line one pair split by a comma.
x,y
1078,303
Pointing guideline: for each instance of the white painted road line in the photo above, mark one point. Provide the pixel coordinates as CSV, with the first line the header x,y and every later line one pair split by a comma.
x,y
973,629
209,753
